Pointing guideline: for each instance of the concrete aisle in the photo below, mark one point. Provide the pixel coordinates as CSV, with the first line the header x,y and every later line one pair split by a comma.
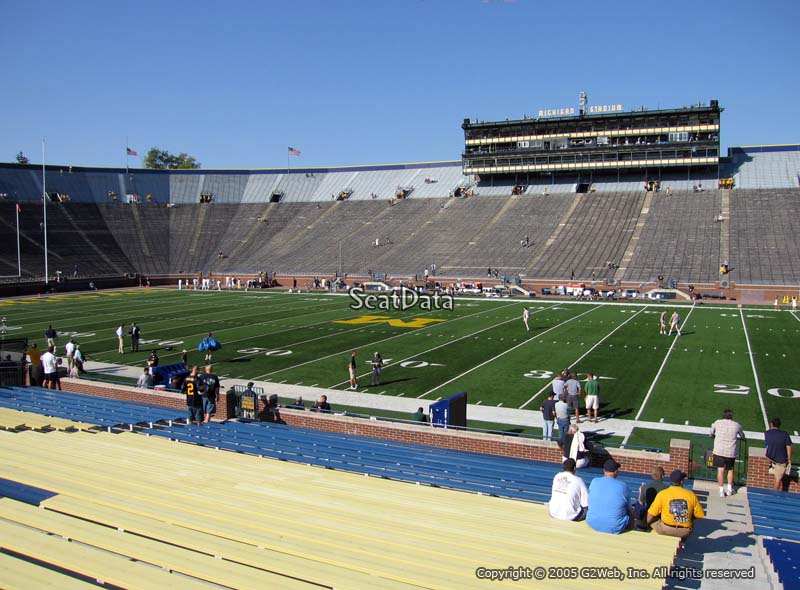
x,y
723,540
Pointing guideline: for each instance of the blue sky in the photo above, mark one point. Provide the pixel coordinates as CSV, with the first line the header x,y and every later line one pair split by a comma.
x,y
362,82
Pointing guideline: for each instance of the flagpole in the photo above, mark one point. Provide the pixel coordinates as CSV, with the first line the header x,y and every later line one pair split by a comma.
x,y
44,209
19,260
126,155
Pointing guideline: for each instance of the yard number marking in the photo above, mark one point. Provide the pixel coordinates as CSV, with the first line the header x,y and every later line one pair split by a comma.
x,y
776,391
734,389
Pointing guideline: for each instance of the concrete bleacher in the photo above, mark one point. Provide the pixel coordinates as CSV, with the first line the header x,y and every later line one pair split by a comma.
x,y
762,234
765,167
241,521
596,231
680,239
143,230
307,230
185,188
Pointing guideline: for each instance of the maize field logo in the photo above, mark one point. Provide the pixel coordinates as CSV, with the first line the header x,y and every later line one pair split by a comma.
x,y
387,319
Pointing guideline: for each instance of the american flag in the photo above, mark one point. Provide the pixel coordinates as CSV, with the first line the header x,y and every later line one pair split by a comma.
x,y
132,152
294,152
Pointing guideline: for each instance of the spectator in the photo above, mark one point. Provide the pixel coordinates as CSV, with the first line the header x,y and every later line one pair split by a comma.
x,y
647,493
298,404
573,388
56,376
592,388
120,340
676,507
69,349
351,368
674,323
726,434
209,345
562,416
419,416
559,384
569,498
142,382
779,452
548,409
194,401
377,368
136,335
51,336
34,357
49,367
79,359
609,507
574,447
322,404
210,394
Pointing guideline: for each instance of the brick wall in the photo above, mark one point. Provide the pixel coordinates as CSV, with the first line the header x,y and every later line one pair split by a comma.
x,y
133,394
476,442
758,475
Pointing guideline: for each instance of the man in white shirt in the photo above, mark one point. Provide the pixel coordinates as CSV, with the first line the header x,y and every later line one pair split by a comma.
x,y
120,339
69,349
674,323
570,497
49,367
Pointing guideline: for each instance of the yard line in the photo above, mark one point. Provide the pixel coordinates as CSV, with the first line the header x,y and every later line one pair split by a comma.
x,y
538,393
755,373
170,329
655,380
217,331
99,305
494,358
448,343
413,331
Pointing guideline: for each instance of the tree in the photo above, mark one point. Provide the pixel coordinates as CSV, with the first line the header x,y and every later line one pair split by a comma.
x,y
22,158
157,159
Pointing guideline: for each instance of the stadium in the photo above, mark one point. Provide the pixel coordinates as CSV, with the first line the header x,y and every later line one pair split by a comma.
x,y
595,220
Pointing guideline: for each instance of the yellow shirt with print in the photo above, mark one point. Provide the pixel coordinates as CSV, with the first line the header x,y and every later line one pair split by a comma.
x,y
677,507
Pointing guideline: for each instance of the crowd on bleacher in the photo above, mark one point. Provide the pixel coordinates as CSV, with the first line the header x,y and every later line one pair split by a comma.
x,y
606,507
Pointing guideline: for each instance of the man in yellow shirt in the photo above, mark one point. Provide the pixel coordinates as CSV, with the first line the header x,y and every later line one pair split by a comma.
x,y
34,357
677,508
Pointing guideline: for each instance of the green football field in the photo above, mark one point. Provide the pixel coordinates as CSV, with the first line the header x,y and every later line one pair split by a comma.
x,y
728,357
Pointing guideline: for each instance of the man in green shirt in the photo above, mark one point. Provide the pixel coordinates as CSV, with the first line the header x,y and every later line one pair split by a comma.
x,y
592,389
419,416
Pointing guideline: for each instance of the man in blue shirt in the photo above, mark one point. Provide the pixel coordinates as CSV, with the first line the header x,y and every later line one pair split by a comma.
x,y
610,510
779,451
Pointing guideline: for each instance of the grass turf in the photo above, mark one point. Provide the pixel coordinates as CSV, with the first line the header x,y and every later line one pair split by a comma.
x,y
481,346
